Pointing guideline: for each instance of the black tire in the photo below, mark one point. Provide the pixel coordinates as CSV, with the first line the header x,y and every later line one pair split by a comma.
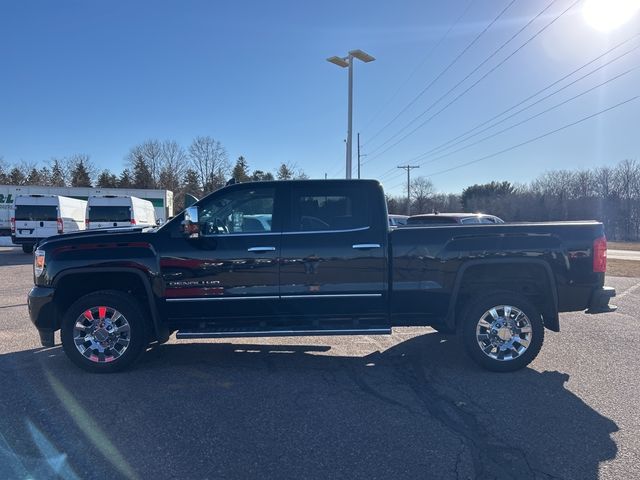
x,y
26,248
472,334
134,316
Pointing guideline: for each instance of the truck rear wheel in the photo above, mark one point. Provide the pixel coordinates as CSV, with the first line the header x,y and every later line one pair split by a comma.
x,y
104,331
502,331
27,248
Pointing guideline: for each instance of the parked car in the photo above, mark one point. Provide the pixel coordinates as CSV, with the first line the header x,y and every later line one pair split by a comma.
x,y
453,218
108,211
327,264
397,220
36,217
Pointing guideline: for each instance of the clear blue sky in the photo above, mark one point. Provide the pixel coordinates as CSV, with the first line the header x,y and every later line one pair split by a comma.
x,y
98,77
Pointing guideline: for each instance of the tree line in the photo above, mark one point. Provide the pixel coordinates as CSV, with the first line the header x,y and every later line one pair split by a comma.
x,y
202,167
607,194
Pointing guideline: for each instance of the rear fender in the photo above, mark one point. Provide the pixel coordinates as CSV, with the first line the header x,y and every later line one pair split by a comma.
x,y
551,320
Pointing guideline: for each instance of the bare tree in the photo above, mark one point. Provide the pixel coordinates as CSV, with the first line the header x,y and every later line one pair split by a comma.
x,y
149,153
173,165
422,191
209,159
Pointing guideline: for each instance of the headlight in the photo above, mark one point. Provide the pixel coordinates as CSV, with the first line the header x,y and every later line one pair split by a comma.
x,y
38,263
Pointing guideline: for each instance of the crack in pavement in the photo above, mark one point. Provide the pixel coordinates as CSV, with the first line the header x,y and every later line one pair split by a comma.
x,y
490,459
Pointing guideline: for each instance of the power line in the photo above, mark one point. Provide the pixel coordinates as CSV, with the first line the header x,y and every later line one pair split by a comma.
x,y
453,141
528,119
457,140
446,69
474,70
539,137
415,70
539,32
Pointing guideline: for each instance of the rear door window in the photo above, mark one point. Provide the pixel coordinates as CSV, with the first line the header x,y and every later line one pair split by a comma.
x,y
36,213
330,209
111,213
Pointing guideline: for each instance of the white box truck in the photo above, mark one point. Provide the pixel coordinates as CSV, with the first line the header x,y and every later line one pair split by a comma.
x,y
36,217
162,200
119,211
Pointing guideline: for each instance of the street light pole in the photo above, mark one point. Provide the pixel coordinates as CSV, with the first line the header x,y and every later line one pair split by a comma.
x,y
348,62
349,166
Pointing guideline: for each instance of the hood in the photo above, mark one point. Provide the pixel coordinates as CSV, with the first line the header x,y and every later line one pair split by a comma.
x,y
98,235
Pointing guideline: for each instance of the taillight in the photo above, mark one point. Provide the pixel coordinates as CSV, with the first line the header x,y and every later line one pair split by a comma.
x,y
600,255
86,222
133,221
60,226
13,224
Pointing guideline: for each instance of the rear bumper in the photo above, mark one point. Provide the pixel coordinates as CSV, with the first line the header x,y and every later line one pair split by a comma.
x,y
25,241
43,314
599,302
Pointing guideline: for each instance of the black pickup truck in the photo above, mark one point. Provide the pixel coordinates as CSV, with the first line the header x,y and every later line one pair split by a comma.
x,y
313,258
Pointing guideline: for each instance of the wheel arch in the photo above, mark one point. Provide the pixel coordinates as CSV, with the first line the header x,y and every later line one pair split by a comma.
x,y
542,271
71,284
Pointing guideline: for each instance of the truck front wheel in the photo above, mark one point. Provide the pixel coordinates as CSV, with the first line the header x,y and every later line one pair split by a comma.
x,y
104,331
502,331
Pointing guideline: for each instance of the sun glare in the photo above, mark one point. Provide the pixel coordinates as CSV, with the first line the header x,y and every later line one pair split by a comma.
x,y
606,15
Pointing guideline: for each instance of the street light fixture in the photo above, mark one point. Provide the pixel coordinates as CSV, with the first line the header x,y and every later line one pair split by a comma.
x,y
348,62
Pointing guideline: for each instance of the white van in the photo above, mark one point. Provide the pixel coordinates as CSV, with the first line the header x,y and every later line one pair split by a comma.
x,y
36,217
110,211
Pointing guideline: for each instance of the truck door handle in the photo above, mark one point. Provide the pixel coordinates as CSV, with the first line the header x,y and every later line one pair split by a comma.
x,y
261,249
365,246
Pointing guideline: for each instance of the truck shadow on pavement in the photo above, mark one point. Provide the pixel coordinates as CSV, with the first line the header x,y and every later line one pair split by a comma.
x,y
233,410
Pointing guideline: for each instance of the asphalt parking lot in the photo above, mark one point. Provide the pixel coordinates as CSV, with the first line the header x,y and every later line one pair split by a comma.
x,y
410,405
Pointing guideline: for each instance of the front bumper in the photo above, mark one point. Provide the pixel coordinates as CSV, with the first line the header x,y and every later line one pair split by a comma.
x,y
43,313
599,302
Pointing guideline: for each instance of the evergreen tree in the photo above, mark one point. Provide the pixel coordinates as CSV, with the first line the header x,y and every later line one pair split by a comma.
x,y
57,178
191,183
284,172
261,176
106,179
34,177
241,170
142,176
16,177
80,175
3,172
125,180
45,176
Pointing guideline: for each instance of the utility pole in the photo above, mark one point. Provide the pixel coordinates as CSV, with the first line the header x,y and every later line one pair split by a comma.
x,y
408,168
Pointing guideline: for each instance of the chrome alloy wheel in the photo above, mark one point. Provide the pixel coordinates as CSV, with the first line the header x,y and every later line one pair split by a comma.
x,y
102,334
504,333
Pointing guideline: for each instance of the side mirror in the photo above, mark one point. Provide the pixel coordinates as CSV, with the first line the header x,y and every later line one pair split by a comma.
x,y
190,225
